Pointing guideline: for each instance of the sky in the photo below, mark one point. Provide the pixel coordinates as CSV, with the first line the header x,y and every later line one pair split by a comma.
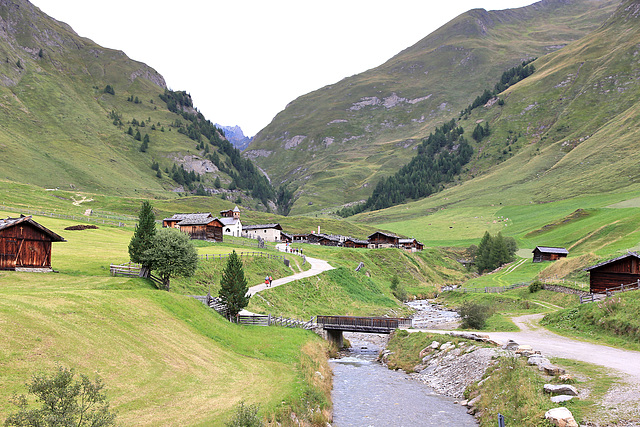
x,y
243,61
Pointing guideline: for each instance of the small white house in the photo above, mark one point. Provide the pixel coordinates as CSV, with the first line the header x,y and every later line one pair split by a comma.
x,y
268,232
230,220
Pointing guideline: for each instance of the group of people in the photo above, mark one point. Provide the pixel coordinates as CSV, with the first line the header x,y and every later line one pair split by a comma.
x,y
268,280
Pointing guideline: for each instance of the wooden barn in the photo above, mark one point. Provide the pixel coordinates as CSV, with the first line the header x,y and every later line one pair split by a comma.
x,y
25,244
200,226
350,242
623,270
545,253
383,240
173,221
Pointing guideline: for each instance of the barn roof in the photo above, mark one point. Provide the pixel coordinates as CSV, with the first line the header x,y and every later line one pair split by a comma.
x,y
197,219
393,236
361,242
552,250
189,216
261,226
611,261
12,222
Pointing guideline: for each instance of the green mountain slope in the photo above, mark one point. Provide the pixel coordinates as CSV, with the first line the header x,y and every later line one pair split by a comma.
x,y
565,139
67,105
346,136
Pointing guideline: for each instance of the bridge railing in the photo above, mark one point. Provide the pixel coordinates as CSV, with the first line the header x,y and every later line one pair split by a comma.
x,y
362,323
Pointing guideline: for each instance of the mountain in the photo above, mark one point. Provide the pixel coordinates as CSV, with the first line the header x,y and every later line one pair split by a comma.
x,y
236,136
565,140
76,115
333,145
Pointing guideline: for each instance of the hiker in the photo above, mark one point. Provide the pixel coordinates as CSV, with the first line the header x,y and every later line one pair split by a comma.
x,y
270,280
266,281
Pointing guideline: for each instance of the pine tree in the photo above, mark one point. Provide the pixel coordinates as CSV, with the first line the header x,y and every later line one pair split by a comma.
x,y
144,232
233,286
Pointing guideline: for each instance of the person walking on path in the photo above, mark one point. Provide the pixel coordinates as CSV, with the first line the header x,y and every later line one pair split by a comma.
x,y
266,281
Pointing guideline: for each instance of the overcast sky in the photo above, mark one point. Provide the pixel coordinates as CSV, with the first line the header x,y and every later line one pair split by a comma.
x,y
243,61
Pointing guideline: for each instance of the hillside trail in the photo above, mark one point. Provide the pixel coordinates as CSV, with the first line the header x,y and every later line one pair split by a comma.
x,y
317,266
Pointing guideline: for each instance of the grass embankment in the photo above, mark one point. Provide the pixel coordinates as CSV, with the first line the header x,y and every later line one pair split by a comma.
x,y
165,358
613,321
512,303
367,292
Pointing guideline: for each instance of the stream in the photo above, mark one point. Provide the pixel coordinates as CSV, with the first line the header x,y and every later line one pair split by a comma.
x,y
367,394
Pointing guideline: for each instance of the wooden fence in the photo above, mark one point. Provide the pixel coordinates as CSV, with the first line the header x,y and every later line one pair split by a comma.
x,y
127,269
108,220
609,292
213,257
489,290
269,320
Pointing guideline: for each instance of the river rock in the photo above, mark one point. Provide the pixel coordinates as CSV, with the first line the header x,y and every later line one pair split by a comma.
x,y
553,370
561,389
561,417
510,345
447,346
538,360
561,398
425,351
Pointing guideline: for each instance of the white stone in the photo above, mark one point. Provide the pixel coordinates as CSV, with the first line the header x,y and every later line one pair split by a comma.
x,y
561,398
561,417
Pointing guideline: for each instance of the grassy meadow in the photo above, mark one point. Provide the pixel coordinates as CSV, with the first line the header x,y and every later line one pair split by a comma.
x,y
165,358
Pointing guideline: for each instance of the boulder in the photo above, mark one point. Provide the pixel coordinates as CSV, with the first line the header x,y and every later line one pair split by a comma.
x,y
434,345
447,346
561,417
538,360
425,351
553,370
560,389
510,345
561,398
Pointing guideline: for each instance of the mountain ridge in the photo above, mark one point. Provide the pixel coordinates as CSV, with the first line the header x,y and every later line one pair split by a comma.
x,y
349,134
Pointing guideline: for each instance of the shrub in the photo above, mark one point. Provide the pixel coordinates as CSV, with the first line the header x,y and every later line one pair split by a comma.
x,y
474,315
245,416
536,286
65,401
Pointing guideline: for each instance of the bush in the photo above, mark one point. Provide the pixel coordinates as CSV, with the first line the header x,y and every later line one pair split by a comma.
x,y
474,315
65,401
536,286
245,416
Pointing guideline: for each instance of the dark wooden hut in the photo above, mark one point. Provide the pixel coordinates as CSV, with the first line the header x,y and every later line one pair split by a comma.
x,y
350,242
545,253
25,244
623,270
202,227
383,240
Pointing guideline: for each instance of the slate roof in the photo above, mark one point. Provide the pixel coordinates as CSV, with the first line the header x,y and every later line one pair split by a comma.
x,y
12,222
228,220
627,255
193,219
552,250
385,234
183,216
261,226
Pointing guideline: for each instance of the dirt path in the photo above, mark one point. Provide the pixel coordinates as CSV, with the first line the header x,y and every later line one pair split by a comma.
x,y
626,362
317,266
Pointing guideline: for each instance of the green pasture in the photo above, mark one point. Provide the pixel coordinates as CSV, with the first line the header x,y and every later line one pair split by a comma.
x,y
165,358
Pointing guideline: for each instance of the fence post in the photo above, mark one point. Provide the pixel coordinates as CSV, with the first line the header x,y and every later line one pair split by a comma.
x,y
501,420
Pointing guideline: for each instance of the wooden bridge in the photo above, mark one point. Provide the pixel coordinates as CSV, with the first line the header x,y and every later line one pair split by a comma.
x,y
334,326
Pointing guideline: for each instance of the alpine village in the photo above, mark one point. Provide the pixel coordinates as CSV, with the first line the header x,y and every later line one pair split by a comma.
x,y
451,238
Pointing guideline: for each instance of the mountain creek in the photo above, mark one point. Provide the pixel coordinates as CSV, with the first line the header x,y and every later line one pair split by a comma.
x,y
366,393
